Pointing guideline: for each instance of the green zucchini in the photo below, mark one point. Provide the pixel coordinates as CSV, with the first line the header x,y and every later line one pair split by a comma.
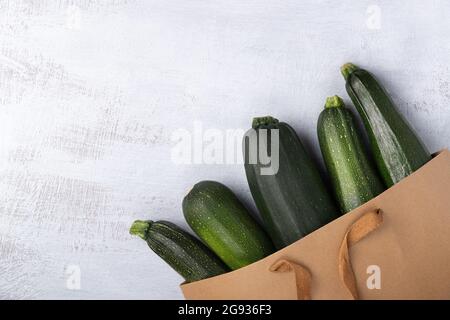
x,y
293,201
397,149
354,179
182,251
224,224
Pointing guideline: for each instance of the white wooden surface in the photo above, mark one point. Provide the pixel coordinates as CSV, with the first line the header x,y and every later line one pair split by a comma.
x,y
92,91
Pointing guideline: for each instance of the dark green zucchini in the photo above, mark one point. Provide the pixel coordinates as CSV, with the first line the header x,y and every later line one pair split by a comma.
x,y
354,179
182,251
397,150
292,200
224,224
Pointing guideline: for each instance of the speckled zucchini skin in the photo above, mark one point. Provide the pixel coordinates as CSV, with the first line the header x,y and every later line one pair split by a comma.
x,y
293,202
182,251
224,224
354,179
397,149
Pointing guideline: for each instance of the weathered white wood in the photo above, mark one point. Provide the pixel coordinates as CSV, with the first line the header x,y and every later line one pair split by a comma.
x,y
91,92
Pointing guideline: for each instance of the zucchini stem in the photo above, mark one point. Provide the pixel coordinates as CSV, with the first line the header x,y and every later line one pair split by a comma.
x,y
334,102
140,228
263,121
347,69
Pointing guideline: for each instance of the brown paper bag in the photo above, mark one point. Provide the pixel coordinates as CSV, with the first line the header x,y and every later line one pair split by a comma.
x,y
396,246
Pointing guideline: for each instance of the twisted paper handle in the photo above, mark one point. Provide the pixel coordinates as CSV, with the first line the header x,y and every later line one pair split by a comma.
x,y
356,232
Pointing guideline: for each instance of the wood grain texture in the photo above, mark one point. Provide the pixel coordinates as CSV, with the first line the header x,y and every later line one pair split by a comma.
x,y
91,92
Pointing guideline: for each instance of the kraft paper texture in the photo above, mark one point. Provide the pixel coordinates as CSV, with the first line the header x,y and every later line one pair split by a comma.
x,y
402,237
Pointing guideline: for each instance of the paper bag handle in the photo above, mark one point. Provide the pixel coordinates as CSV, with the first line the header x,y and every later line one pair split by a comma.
x,y
359,229
301,274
